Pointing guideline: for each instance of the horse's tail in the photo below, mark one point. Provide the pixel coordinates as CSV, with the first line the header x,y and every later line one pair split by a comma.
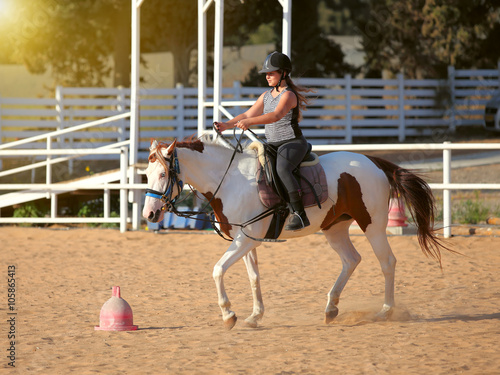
x,y
420,201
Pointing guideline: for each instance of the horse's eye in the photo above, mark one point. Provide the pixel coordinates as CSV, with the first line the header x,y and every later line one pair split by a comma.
x,y
162,175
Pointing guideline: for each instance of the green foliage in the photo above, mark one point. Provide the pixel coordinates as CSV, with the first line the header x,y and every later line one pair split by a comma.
x,y
82,42
264,34
28,210
313,53
423,37
95,207
72,38
469,211
340,17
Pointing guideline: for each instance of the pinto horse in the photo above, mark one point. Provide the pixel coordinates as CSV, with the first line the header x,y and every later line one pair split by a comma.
x,y
359,188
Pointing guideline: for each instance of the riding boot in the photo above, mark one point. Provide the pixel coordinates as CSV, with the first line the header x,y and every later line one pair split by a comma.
x,y
299,219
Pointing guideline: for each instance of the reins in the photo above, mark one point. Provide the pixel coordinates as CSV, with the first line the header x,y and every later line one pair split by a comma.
x,y
173,180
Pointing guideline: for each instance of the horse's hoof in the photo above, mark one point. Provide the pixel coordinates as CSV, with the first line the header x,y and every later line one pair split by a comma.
x,y
252,323
229,323
331,315
385,313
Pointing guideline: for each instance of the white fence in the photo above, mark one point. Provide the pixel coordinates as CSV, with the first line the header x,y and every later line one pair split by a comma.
x,y
446,186
343,110
51,189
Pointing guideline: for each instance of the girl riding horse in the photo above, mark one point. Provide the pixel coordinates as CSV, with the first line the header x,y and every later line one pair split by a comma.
x,y
279,109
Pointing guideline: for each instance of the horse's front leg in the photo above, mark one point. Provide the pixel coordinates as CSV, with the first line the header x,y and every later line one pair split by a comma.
x,y
240,246
253,274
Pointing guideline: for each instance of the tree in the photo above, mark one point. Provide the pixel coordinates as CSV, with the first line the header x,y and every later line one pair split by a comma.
x,y
464,33
83,42
48,34
423,37
313,53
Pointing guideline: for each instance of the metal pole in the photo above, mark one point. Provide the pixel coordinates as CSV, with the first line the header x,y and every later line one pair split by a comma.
x,y
218,50
134,82
202,66
134,108
48,181
446,192
287,27
123,192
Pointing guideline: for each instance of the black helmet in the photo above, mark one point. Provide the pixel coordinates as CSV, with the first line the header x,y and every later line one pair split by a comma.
x,y
276,61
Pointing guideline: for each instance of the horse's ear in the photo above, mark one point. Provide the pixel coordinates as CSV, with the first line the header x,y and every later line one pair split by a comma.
x,y
171,148
154,144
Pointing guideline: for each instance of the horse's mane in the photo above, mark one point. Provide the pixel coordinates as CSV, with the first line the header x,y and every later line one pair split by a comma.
x,y
191,142
197,143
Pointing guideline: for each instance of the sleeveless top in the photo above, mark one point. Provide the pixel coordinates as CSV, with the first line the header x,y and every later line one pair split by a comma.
x,y
286,128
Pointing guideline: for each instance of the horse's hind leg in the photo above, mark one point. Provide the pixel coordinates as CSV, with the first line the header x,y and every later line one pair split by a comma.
x,y
338,238
378,239
252,265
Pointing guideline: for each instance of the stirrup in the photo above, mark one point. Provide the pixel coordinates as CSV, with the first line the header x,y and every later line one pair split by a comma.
x,y
297,224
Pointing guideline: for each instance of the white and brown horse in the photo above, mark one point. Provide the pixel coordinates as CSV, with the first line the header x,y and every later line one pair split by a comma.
x,y
359,188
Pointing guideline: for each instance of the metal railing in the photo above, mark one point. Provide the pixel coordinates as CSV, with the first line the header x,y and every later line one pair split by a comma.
x,y
121,148
446,186
51,189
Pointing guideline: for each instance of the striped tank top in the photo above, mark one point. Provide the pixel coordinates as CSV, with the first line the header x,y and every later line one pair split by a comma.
x,y
287,127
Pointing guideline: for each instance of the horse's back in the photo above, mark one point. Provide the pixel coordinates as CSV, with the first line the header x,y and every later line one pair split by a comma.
x,y
357,165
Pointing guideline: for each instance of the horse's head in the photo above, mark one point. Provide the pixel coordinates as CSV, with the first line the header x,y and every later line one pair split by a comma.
x,y
163,183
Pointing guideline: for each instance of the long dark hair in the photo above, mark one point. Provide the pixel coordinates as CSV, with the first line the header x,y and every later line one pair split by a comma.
x,y
302,100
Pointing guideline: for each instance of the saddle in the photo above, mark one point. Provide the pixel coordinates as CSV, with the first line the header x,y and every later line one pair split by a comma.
x,y
310,174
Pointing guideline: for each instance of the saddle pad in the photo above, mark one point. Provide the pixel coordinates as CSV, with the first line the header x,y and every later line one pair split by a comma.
x,y
314,174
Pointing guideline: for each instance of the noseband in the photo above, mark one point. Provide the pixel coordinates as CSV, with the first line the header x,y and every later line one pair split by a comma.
x,y
173,181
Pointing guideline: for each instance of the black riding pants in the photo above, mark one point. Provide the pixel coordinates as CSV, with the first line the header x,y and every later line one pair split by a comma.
x,y
289,155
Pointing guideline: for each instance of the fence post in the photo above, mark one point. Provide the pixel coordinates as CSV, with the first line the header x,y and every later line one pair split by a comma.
x,y
59,109
1,140
451,83
60,121
446,192
348,129
121,108
48,181
179,92
237,95
106,203
401,105
123,191
498,68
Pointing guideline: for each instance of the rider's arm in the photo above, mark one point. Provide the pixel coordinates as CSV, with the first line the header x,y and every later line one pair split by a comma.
x,y
287,102
256,109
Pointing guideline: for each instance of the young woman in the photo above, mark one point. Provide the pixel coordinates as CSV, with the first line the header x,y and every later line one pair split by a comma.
x,y
279,109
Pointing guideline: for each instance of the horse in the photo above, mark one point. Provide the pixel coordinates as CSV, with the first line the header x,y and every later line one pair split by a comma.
x,y
359,188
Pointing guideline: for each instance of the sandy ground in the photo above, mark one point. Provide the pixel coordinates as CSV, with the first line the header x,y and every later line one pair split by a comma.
x,y
446,322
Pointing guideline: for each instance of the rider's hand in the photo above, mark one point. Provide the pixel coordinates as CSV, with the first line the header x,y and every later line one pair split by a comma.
x,y
220,126
243,124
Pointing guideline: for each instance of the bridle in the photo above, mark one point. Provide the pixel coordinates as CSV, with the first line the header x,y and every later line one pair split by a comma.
x,y
173,182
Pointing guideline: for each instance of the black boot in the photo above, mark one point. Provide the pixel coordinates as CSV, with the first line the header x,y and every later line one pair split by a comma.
x,y
298,219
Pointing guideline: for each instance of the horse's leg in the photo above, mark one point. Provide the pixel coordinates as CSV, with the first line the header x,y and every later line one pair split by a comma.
x,y
253,274
377,237
240,246
338,238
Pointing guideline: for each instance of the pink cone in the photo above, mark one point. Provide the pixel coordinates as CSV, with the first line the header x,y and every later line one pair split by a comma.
x,y
116,314
397,216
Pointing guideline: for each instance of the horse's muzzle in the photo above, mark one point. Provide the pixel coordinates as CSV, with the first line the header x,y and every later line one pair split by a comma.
x,y
154,216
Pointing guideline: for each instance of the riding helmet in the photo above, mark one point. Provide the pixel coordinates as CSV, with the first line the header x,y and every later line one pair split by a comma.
x,y
276,61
